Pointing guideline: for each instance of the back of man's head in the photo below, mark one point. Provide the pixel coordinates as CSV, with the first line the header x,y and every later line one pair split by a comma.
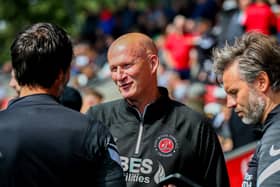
x,y
39,53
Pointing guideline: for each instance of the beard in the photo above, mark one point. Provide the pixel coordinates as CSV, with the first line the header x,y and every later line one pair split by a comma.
x,y
256,106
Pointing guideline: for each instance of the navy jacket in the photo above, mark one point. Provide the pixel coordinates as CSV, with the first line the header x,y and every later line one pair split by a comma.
x,y
43,143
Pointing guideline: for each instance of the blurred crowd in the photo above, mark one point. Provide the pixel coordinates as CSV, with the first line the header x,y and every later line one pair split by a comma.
x,y
186,32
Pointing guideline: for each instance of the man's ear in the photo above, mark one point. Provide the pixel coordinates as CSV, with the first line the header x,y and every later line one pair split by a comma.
x,y
63,77
154,63
67,76
61,81
262,82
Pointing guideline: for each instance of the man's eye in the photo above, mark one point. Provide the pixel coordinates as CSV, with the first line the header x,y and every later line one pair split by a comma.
x,y
113,69
126,66
233,92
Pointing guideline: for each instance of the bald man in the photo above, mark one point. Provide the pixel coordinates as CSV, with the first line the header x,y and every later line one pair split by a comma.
x,y
156,136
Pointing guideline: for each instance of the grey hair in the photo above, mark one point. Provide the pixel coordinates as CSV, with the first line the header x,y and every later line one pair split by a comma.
x,y
255,53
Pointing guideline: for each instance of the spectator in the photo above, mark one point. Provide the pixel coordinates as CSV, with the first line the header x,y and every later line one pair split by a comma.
x,y
204,47
156,136
207,9
91,97
178,44
195,97
42,142
231,20
259,17
250,71
177,87
275,7
83,67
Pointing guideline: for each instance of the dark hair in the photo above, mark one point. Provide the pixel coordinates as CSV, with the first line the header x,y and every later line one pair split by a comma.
x,y
255,52
39,53
71,98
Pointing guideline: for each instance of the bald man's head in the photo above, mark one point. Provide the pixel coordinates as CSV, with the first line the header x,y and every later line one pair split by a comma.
x,y
138,42
133,63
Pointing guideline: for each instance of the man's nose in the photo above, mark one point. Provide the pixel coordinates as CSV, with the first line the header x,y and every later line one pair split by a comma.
x,y
120,73
231,102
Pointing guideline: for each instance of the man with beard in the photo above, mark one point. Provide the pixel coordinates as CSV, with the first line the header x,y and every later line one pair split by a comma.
x,y
249,71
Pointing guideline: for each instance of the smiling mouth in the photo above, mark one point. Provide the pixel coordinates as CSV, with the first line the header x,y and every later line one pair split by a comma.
x,y
124,86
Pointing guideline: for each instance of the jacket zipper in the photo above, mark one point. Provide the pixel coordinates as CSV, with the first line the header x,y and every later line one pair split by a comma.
x,y
140,132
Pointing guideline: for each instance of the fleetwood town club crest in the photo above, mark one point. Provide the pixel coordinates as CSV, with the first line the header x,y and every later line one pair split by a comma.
x,y
165,145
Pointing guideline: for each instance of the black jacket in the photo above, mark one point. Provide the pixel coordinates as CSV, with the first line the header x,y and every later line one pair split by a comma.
x,y
264,166
43,143
168,138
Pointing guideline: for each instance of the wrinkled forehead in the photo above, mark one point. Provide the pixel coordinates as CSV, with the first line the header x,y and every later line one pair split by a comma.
x,y
123,55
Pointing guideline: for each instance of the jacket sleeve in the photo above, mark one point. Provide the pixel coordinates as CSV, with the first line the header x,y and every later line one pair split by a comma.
x,y
268,157
212,157
100,143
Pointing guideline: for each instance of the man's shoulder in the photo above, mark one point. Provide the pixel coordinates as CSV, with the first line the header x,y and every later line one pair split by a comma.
x,y
6,115
186,110
271,134
107,106
46,113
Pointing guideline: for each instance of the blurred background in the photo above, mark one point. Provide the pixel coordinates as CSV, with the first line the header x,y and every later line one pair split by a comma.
x,y
185,32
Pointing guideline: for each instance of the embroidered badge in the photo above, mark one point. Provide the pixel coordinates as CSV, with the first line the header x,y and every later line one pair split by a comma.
x,y
165,145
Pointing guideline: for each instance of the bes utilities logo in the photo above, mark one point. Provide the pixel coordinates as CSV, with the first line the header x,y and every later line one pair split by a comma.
x,y
165,145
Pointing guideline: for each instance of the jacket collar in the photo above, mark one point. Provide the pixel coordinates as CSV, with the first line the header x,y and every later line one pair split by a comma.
x,y
33,99
273,116
153,111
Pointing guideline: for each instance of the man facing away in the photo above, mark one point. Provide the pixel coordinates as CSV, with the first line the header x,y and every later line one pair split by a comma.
x,y
43,143
156,136
250,73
